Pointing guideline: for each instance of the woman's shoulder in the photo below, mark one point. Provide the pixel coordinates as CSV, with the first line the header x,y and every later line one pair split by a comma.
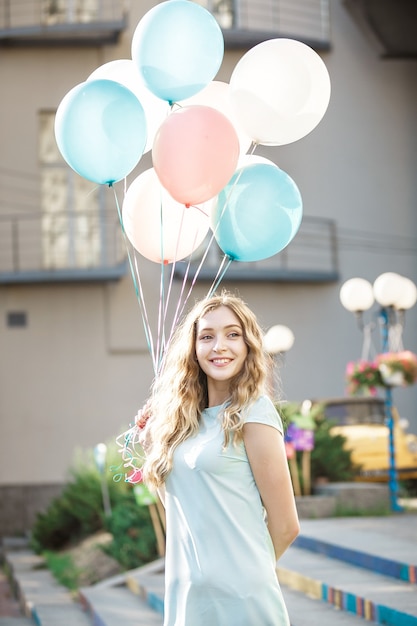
x,y
263,411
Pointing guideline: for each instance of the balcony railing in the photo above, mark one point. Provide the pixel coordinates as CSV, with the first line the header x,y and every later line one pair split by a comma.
x,y
64,22
62,247
310,257
244,22
50,247
249,22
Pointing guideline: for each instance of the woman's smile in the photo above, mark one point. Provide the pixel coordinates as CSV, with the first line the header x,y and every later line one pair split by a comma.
x,y
221,349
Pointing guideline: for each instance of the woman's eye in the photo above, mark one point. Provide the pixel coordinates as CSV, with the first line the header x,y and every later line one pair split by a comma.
x,y
233,335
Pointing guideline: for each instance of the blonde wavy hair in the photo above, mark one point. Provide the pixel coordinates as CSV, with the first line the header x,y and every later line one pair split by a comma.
x,y
179,392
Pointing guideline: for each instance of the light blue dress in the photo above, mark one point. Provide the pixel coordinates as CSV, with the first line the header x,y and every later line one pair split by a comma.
x,y
220,562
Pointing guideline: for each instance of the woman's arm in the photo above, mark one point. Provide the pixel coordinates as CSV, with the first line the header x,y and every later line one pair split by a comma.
x,y
268,460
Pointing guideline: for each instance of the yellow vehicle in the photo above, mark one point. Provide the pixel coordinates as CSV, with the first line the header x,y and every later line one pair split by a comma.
x,y
363,422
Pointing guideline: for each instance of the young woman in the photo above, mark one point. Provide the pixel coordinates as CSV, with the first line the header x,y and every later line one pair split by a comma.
x,y
214,446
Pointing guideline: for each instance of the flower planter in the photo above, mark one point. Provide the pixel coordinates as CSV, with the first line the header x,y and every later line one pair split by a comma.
x,y
389,369
391,377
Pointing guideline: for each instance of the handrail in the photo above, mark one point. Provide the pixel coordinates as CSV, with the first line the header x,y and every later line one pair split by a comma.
x,y
59,241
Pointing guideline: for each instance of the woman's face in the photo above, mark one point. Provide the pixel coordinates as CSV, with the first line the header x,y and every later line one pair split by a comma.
x,y
220,346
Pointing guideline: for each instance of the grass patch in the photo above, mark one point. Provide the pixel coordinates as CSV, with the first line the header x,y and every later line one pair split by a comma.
x,y
63,569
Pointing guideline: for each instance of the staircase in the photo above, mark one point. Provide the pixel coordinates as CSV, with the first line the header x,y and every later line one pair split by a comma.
x,y
339,571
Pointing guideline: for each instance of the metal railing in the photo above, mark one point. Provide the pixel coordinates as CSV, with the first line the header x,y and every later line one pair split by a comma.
x,y
241,20
307,20
40,22
312,256
19,13
82,245
41,245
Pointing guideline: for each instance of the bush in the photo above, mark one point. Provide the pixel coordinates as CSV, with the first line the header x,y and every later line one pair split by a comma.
x,y
78,511
329,458
134,541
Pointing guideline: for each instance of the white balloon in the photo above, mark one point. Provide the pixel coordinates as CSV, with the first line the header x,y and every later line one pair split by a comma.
x,y
217,95
124,71
280,91
157,226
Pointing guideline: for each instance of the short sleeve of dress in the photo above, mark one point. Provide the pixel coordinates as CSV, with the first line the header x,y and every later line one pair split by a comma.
x,y
263,411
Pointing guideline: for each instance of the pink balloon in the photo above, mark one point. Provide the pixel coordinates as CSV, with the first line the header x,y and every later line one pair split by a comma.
x,y
195,153
157,226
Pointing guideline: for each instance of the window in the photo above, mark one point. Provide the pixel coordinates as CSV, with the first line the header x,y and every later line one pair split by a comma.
x,y
70,208
58,11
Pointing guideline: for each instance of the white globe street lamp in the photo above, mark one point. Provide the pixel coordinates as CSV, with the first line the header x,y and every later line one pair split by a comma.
x,y
394,294
278,339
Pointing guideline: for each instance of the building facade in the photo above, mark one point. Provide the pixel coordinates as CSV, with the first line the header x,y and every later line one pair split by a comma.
x,y
74,357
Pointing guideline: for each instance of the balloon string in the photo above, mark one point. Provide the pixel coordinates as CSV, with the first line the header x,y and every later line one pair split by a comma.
x,y
169,291
252,148
212,237
220,275
136,283
145,319
160,337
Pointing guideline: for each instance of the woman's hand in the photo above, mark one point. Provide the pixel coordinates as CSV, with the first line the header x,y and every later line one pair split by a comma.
x,y
143,415
141,421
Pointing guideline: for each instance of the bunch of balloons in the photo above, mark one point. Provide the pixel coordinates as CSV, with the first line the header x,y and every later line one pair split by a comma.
x,y
203,135
165,99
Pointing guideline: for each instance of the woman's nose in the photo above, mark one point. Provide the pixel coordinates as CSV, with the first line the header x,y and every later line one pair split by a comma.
x,y
219,346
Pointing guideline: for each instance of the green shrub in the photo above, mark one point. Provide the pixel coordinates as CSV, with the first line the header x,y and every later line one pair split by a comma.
x,y
134,541
63,568
330,458
78,511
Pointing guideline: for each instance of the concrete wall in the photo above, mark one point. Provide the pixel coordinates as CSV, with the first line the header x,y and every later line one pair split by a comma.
x,y
80,369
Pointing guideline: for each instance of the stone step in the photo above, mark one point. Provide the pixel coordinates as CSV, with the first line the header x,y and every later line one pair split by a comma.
x,y
388,547
40,596
354,589
303,610
116,606
306,611
16,621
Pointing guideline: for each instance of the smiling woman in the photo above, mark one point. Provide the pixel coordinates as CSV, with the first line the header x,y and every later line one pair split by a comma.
x,y
221,351
214,445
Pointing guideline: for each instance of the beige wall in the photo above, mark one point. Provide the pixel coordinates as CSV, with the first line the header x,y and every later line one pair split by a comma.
x,y
80,369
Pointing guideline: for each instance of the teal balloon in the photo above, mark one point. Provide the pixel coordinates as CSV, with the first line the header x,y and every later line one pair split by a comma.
x,y
257,214
100,130
178,48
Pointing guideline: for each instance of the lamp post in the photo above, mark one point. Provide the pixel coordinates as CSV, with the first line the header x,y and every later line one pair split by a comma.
x,y
394,294
100,453
277,341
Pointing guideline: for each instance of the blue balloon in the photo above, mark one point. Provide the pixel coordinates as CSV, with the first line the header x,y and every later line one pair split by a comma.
x,y
100,130
178,48
257,214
